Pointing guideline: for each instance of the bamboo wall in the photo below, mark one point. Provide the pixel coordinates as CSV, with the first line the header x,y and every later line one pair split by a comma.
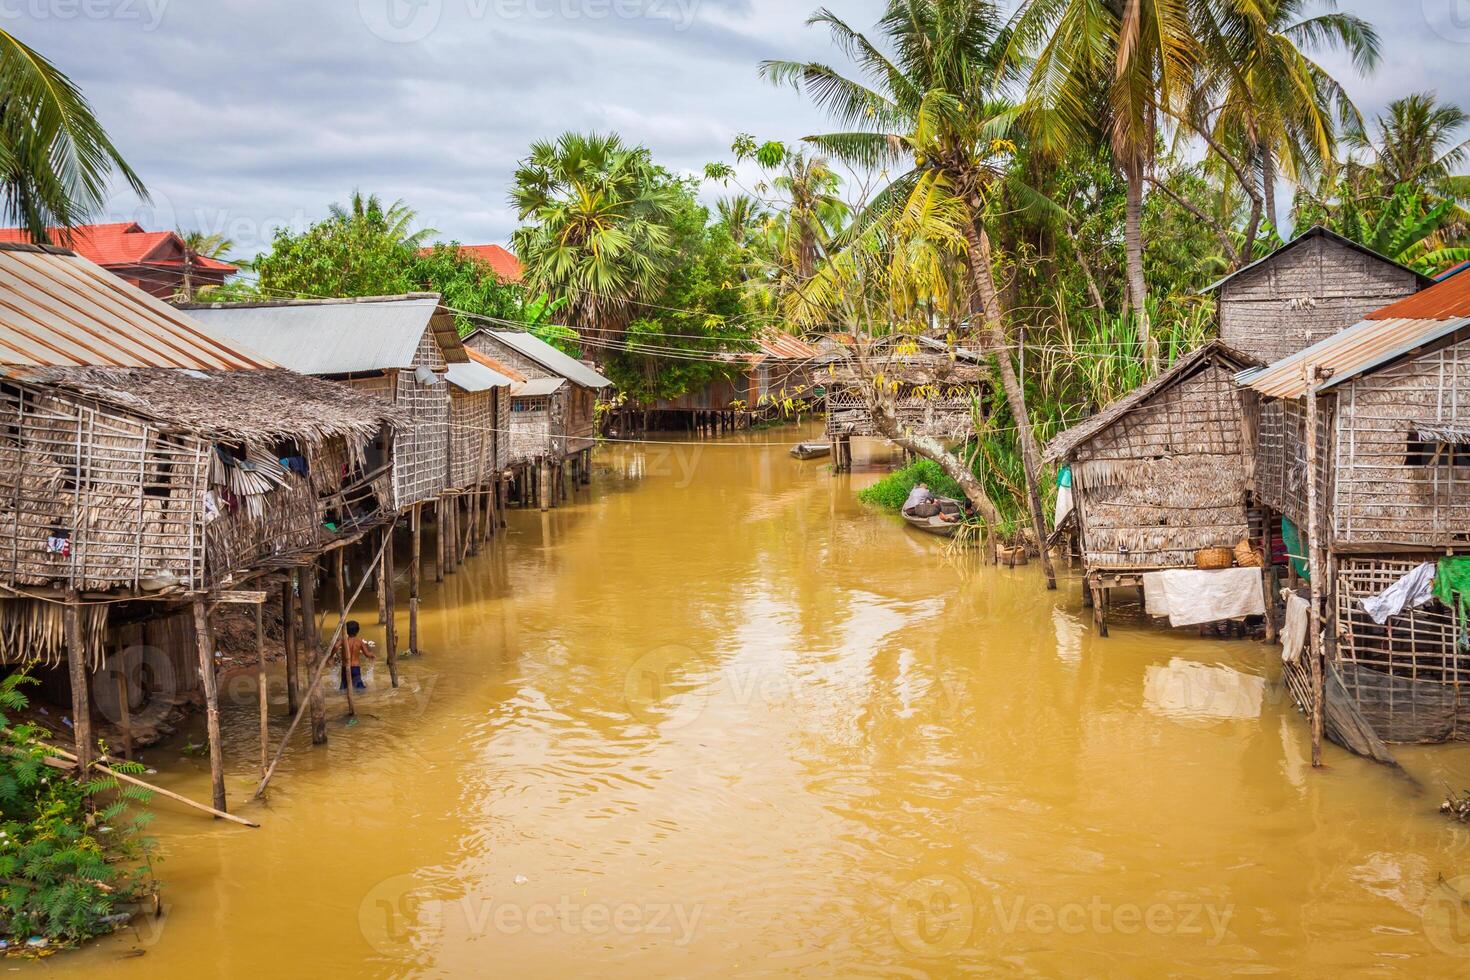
x,y
128,496
948,415
533,426
1168,478
1386,492
502,430
472,441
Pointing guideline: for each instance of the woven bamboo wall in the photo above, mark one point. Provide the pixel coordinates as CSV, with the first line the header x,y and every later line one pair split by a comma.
x,y
1168,478
532,432
1408,676
502,430
421,447
471,442
580,424
1384,493
129,497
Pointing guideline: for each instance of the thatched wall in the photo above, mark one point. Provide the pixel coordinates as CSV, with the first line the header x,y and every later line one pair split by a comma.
x,y
942,412
1306,294
1401,461
502,430
534,424
1168,476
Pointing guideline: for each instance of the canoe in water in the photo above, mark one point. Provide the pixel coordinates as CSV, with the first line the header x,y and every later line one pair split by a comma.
x,y
937,524
812,450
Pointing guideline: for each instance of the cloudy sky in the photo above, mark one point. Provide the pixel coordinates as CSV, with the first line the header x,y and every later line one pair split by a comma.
x,y
245,114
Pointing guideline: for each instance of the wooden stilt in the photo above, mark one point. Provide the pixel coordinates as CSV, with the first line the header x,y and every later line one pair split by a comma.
x,y
501,490
262,687
441,523
1268,577
342,611
390,632
544,481
1317,569
204,640
312,639
288,618
382,589
414,567
78,667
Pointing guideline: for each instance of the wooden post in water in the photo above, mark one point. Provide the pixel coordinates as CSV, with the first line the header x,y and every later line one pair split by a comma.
x,y
313,642
76,665
544,484
382,592
415,520
262,687
288,619
390,632
1317,569
1266,574
204,640
441,523
342,610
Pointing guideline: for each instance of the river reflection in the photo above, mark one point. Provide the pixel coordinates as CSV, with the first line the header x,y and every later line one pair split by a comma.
x,y
715,718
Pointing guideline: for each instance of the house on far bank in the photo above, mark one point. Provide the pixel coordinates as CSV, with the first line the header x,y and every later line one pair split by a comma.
x,y
553,410
156,262
778,378
1307,290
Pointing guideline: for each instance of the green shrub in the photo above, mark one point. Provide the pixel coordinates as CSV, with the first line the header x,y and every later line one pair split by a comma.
x,y
891,491
69,860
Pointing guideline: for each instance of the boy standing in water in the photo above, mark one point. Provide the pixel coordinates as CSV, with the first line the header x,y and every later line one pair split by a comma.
x,y
351,648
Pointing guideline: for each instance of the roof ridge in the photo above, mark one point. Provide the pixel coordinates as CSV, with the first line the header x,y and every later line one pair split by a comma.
x,y
318,301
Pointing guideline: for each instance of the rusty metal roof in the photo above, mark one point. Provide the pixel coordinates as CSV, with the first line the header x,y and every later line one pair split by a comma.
x,y
1358,349
59,310
784,345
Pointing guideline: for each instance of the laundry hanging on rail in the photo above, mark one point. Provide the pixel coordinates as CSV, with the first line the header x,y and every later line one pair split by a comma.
x,y
1409,592
1193,597
1452,587
1294,630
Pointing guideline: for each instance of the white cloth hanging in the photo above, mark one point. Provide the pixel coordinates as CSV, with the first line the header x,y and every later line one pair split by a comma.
x,y
1193,597
1294,630
1409,592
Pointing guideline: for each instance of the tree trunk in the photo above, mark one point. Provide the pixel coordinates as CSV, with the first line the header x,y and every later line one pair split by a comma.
x,y
1137,287
1268,187
994,337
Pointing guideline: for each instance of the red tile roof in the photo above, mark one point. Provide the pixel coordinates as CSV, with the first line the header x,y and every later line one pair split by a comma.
x,y
1448,300
123,244
502,262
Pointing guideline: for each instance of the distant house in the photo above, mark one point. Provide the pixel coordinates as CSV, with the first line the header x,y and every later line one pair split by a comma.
x,y
502,261
154,261
1307,290
779,372
553,417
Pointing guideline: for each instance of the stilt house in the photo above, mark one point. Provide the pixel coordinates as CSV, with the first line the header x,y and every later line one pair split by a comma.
x,y
776,379
1160,474
397,348
1389,470
149,464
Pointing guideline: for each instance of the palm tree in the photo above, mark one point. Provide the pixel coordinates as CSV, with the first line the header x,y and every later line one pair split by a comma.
x,y
55,158
1124,62
396,221
935,107
1279,110
596,215
1416,142
740,215
198,244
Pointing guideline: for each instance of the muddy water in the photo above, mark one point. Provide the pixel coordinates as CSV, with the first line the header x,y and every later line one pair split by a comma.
x,y
717,718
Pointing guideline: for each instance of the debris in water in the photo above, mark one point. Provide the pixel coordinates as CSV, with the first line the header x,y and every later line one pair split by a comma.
x,y
1457,806
521,879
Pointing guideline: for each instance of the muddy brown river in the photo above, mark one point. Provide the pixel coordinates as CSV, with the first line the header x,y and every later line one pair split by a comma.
x,y
717,718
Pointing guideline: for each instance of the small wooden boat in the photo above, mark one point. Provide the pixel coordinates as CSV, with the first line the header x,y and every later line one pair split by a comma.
x,y
945,523
811,450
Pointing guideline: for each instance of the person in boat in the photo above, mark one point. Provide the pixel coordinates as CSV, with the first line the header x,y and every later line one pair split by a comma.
x,y
351,648
921,502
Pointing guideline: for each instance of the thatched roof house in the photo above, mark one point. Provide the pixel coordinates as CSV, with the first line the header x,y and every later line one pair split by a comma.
x,y
1305,291
1392,400
398,348
1162,473
931,386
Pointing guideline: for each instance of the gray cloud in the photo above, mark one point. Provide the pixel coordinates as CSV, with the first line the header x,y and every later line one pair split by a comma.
x,y
241,114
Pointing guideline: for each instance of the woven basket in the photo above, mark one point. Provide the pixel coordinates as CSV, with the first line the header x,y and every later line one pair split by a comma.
x,y
1211,559
1247,557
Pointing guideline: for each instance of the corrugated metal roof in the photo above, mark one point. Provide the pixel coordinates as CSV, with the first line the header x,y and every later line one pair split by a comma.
x,y
347,336
537,387
1447,300
786,346
1315,232
498,367
550,358
475,377
1358,349
59,310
